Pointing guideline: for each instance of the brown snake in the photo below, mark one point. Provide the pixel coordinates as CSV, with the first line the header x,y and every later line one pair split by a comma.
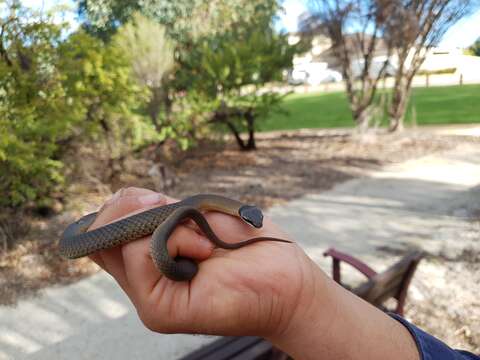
x,y
77,242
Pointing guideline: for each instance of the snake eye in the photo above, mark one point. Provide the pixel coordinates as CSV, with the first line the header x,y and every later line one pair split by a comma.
x,y
252,215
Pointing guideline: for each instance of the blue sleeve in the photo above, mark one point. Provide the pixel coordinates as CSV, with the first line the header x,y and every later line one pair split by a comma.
x,y
430,348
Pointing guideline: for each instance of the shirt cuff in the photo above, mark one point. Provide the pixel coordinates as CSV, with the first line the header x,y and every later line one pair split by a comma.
x,y
429,347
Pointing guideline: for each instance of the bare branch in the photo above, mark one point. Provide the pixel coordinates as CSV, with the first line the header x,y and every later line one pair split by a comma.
x,y
426,22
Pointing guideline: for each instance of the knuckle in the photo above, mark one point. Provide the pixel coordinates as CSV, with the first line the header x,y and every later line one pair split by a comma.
x,y
130,191
186,234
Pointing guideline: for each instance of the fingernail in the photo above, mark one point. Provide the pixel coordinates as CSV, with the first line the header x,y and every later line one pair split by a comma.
x,y
113,197
150,199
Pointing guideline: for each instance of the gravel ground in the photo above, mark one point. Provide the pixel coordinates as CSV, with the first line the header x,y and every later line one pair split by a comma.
x,y
444,298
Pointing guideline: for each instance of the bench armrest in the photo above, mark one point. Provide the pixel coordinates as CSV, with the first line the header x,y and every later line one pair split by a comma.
x,y
338,256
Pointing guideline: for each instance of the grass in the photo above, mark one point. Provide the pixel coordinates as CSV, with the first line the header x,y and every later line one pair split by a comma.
x,y
433,105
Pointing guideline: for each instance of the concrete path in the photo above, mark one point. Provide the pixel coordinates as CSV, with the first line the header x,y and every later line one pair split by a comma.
x,y
91,319
458,129
419,203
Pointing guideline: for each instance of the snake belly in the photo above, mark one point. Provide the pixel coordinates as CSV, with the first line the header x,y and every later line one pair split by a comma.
x,y
77,241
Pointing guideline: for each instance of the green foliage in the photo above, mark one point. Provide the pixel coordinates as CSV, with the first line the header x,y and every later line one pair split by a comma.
x,y
55,92
185,20
151,55
31,110
148,49
101,92
229,71
226,63
474,49
225,50
187,64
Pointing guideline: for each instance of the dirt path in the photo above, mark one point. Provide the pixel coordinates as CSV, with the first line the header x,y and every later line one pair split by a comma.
x,y
430,202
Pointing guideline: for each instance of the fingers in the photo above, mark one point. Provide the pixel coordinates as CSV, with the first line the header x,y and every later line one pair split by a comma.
x,y
142,275
126,201
131,264
96,258
123,203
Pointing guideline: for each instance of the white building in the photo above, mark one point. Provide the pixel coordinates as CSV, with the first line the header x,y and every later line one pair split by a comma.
x,y
448,60
451,61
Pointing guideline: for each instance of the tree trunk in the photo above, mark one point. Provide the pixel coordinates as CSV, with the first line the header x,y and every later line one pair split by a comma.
x,y
154,105
361,116
398,106
237,136
396,124
224,117
251,131
168,103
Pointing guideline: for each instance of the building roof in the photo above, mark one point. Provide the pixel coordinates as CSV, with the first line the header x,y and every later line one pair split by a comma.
x,y
353,42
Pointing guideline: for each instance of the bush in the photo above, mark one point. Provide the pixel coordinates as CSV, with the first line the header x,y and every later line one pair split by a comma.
x,y
55,92
31,113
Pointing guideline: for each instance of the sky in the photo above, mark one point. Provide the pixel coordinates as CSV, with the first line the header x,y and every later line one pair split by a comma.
x,y
462,34
69,16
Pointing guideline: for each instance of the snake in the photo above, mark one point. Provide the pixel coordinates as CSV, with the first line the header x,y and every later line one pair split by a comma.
x,y
78,241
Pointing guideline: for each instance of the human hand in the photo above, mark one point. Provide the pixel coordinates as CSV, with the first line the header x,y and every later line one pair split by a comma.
x,y
257,290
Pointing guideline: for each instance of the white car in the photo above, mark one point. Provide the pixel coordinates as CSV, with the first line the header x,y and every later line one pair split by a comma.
x,y
326,76
313,74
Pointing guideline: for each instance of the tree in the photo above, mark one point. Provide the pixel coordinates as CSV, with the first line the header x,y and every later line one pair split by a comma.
x,y
31,107
355,30
102,93
57,91
225,51
412,28
151,54
184,20
474,49
228,73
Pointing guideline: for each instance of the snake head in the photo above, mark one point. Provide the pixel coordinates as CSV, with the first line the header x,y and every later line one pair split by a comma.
x,y
252,215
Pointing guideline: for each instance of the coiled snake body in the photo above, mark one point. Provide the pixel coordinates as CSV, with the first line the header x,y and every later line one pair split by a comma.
x,y
77,242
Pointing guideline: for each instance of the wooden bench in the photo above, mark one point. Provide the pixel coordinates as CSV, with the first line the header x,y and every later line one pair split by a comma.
x,y
391,283
238,348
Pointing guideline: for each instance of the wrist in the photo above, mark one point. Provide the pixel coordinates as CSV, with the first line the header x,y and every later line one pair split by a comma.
x,y
310,316
337,324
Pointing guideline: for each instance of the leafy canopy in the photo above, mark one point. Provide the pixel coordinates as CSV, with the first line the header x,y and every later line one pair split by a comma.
x,y
474,49
228,73
56,91
185,20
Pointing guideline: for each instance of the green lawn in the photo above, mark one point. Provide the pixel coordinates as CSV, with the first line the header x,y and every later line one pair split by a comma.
x,y
434,105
